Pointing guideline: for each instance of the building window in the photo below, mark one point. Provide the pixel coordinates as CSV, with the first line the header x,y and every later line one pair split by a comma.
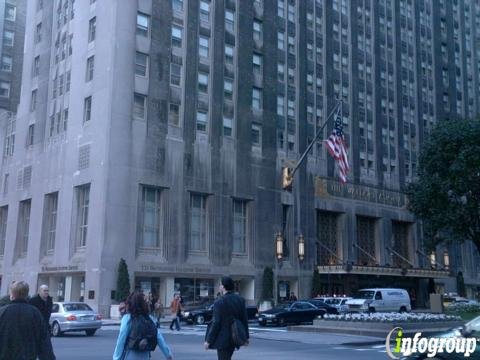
x,y
204,11
143,24
366,254
400,237
229,20
202,117
141,64
9,145
6,63
4,89
257,30
228,88
65,119
60,84
203,46
175,74
174,114
281,40
203,82
257,63
90,68
82,198
281,71
177,5
229,54
38,33
281,8
39,5
36,66
87,109
23,226
239,226
33,100
50,209
257,98
10,12
67,82
92,27
5,183
3,228
177,34
198,223
256,135
151,217
327,233
8,38
31,134
139,106
227,126
280,105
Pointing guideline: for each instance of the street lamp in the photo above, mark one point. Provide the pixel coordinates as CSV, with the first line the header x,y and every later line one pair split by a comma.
x,y
278,258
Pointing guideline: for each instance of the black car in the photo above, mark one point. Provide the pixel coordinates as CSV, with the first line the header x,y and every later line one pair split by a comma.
x,y
295,313
203,315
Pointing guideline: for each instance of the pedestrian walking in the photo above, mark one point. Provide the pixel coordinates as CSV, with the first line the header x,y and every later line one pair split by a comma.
x,y
176,309
228,307
158,311
127,347
43,302
23,332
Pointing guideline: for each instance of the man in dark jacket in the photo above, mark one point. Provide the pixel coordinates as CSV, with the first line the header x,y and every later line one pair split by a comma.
x,y
23,334
225,309
43,302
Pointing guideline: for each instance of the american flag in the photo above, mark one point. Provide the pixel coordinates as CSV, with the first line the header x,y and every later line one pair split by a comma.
x,y
336,147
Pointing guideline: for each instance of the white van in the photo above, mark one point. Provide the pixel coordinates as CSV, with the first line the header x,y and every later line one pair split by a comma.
x,y
380,300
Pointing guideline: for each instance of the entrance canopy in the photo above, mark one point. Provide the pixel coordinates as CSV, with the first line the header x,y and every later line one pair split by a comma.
x,y
382,270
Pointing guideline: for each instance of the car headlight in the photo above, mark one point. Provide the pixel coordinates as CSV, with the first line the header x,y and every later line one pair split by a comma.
x,y
270,316
186,314
364,306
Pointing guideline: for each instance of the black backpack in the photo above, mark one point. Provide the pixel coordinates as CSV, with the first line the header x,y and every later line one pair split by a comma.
x,y
239,333
143,334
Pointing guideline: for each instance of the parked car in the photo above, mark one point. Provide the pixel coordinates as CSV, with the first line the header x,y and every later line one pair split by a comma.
x,y
470,329
321,304
339,303
74,316
382,300
296,313
203,315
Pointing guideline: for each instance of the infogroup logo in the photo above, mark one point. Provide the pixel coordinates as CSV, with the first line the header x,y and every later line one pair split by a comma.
x,y
431,346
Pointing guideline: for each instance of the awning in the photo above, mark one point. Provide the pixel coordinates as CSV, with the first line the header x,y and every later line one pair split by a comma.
x,y
382,270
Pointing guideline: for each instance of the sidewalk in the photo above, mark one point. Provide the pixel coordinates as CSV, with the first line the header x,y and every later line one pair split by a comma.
x,y
166,320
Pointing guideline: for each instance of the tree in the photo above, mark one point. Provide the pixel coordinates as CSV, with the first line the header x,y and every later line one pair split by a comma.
x,y
461,285
267,291
446,196
123,281
316,283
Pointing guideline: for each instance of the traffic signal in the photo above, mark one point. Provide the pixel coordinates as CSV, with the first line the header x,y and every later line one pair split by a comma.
x,y
287,178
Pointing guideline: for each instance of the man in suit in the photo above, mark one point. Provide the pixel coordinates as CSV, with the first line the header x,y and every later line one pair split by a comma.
x,y
228,307
43,302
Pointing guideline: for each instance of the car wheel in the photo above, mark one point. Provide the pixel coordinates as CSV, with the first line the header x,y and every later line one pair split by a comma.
x,y
90,332
371,310
281,322
322,314
56,331
200,320
403,309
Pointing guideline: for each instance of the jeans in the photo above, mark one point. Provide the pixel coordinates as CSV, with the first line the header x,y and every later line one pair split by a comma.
x,y
225,354
176,321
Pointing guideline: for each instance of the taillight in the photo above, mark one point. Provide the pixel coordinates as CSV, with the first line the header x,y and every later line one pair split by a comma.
x,y
71,318
98,317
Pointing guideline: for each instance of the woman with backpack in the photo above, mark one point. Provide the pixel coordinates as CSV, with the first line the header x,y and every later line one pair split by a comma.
x,y
138,332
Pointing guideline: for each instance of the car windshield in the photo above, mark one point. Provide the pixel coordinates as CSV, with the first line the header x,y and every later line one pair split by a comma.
x,y
366,294
77,307
333,301
473,325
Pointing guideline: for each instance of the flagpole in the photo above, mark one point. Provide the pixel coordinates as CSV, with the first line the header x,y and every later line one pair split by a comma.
x,y
336,110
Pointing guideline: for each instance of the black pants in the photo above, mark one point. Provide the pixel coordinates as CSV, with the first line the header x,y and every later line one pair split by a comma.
x,y
225,354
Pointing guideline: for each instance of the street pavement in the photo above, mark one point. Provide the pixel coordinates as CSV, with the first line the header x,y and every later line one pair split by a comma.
x,y
271,343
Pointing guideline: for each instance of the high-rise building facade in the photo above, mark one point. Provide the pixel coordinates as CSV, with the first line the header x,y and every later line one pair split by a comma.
x,y
12,26
156,131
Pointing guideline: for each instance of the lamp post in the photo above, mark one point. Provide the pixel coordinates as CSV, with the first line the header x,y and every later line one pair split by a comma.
x,y
301,257
278,258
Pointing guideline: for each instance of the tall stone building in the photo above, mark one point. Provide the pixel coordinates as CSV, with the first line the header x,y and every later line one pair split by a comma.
x,y
156,131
